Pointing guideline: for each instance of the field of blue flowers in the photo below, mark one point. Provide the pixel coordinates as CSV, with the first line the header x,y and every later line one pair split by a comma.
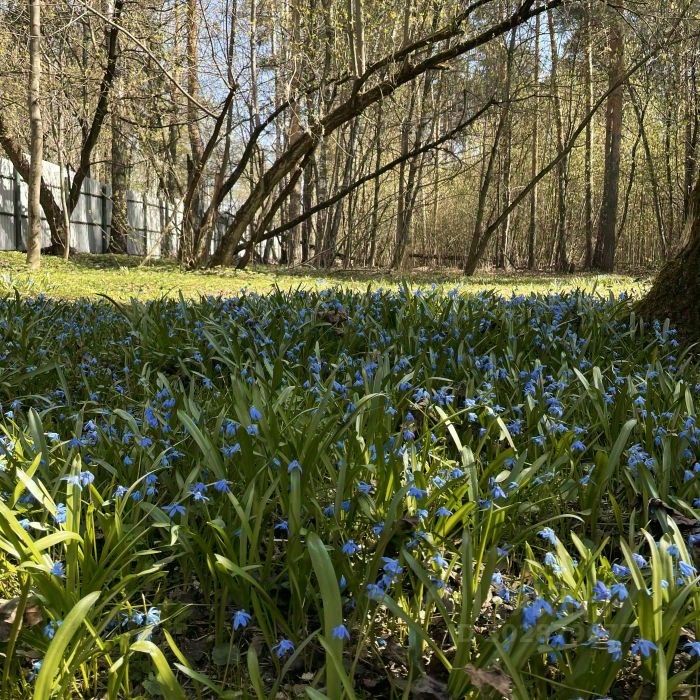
x,y
337,494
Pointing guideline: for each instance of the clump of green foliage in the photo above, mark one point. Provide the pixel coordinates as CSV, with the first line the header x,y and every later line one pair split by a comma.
x,y
347,495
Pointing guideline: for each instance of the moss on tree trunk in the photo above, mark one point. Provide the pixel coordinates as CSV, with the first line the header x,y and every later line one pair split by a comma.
x,y
675,293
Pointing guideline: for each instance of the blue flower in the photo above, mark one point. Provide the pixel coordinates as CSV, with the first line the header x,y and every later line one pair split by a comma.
x,y
673,550
557,641
550,560
174,509
620,570
687,570
614,649
693,648
531,613
254,414
619,591
639,560
375,591
340,632
643,647
198,491
153,616
222,486
601,592
294,466
350,548
57,569
230,450
283,647
548,535
417,493
440,561
443,512
138,617
241,619
49,630
391,566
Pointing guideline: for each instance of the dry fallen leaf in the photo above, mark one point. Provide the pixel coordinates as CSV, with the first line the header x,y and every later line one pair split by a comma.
x,y
429,688
8,613
492,678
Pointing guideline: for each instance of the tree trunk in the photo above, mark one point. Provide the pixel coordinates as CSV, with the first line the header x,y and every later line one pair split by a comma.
x,y
534,155
676,290
560,240
606,243
588,157
36,137
119,231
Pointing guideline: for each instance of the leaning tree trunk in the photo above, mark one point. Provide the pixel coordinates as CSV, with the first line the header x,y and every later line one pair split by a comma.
x,y
676,290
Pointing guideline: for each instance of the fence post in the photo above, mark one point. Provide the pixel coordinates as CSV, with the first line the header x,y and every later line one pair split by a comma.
x,y
166,237
103,219
17,208
145,223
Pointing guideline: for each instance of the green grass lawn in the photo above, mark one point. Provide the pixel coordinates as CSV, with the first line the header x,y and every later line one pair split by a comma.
x,y
124,277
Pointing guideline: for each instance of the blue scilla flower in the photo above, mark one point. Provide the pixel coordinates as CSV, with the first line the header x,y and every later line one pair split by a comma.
x,y
294,466
198,491
174,509
61,513
693,648
557,641
120,491
619,591
391,567
614,648
640,561
49,630
417,493
601,592
222,486
687,570
550,560
350,548
230,450
153,616
548,535
283,647
253,429
340,632
57,569
254,414
531,613
620,570
643,648
240,619
440,561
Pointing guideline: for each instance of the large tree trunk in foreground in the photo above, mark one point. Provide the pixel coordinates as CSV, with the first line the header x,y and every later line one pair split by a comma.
x,y
676,290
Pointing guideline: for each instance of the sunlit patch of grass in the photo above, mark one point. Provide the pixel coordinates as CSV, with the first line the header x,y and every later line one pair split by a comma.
x,y
124,277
